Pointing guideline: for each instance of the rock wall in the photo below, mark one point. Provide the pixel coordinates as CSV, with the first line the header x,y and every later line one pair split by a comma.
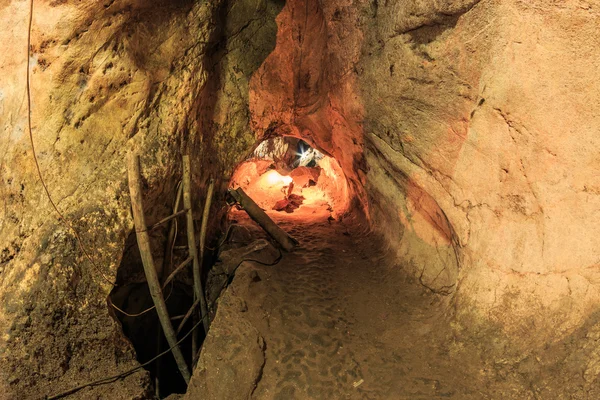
x,y
107,77
244,35
480,155
482,144
467,130
306,88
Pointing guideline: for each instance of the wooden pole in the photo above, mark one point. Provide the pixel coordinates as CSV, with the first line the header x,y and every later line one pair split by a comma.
x,y
197,272
177,270
187,315
166,219
141,230
205,214
258,215
166,265
166,268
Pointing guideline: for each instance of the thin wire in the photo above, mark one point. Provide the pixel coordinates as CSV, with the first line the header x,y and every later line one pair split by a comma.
x,y
279,257
169,295
173,246
226,234
113,378
175,209
222,241
131,315
146,310
129,372
37,164
171,282
230,275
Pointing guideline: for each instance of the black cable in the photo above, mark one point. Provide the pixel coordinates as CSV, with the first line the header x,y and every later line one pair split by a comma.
x,y
230,275
61,217
113,378
279,257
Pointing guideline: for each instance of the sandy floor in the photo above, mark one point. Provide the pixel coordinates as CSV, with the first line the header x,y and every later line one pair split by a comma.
x,y
338,320
338,323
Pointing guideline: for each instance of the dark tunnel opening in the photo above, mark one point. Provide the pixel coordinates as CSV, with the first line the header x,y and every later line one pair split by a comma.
x,y
133,307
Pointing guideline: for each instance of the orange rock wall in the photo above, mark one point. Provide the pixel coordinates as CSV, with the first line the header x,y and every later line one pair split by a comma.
x,y
468,130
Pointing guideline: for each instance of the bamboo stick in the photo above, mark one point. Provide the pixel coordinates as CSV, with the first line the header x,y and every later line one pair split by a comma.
x,y
166,265
176,271
167,219
205,214
188,315
187,203
135,190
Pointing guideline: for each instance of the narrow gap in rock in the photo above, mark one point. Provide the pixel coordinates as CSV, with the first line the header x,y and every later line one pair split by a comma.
x,y
142,326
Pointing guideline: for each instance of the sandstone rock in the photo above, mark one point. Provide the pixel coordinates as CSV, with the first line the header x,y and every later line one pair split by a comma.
x,y
480,152
232,361
305,176
106,78
480,106
464,130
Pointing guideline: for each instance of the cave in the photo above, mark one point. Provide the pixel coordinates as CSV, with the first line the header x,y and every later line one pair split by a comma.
x,y
299,199
286,174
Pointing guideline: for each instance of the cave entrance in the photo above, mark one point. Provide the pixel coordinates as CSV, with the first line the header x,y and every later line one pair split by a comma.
x,y
286,175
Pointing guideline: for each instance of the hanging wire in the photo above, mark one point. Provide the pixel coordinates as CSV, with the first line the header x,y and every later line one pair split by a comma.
x,y
114,378
61,217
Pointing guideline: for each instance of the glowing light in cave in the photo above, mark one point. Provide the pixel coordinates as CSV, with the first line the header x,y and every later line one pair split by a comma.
x,y
286,176
274,178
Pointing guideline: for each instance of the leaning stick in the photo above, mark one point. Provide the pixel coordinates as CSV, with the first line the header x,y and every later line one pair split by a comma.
x,y
177,270
187,316
166,265
187,203
167,219
257,214
205,214
141,230
205,320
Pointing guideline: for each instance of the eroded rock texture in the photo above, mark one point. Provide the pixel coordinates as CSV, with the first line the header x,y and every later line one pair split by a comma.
x,y
232,363
107,77
479,139
482,139
306,88
467,131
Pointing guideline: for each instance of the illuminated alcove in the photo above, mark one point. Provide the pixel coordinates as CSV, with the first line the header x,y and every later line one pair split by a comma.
x,y
286,175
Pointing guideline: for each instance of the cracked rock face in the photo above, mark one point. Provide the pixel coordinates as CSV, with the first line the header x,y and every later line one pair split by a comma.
x,y
107,77
233,355
486,109
469,127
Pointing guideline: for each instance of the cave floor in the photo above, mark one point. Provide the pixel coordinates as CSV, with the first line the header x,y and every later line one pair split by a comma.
x,y
339,322
338,318
338,325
